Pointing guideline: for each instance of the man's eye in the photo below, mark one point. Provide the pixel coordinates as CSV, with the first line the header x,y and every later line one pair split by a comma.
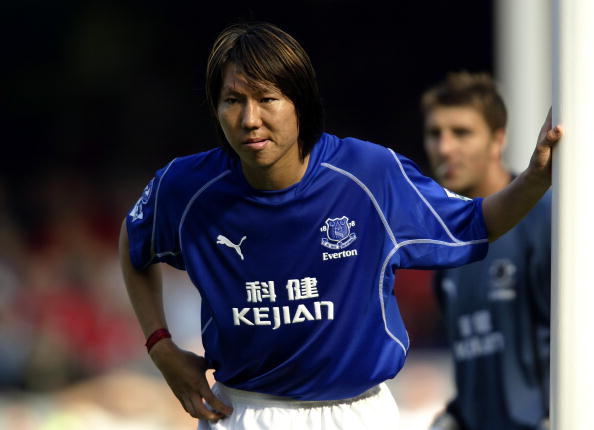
x,y
230,100
268,99
462,132
433,132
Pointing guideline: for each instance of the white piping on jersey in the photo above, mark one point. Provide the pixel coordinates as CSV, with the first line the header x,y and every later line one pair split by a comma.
x,y
398,245
206,326
369,194
390,254
422,197
440,242
153,253
381,297
457,242
194,197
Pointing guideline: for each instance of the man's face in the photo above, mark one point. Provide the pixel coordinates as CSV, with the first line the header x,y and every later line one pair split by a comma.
x,y
461,148
259,122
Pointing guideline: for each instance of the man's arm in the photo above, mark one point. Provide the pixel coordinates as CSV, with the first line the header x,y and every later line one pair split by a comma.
x,y
184,371
505,209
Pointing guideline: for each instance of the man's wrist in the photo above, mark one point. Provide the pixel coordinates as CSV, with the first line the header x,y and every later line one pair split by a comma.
x,y
155,337
161,352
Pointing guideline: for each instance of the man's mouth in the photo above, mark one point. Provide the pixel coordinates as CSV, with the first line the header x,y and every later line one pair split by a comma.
x,y
256,143
445,170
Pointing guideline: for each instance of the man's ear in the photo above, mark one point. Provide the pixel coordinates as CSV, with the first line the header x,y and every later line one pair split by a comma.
x,y
499,142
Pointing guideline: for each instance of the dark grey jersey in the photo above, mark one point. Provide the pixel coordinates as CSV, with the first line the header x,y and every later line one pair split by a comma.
x,y
497,314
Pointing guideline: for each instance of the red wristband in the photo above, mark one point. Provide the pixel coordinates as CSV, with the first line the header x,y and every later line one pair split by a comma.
x,y
156,336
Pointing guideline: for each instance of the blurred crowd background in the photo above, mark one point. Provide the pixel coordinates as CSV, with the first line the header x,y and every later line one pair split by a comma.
x,y
97,95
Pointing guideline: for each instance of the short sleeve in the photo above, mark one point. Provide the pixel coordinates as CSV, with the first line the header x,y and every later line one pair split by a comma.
x,y
434,227
151,226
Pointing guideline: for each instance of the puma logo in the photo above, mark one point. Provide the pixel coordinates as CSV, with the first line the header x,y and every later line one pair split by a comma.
x,y
222,240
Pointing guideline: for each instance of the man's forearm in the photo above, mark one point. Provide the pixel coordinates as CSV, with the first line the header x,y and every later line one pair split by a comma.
x,y
144,289
505,209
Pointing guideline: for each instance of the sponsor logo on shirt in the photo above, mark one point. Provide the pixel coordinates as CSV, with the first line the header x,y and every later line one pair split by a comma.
x,y
303,295
476,337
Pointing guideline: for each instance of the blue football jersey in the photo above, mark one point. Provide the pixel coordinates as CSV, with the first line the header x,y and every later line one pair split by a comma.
x,y
296,284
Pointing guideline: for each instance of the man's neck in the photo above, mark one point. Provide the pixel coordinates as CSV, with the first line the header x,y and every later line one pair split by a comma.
x,y
496,180
276,177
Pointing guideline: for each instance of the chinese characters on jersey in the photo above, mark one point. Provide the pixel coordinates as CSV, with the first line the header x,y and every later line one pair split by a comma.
x,y
301,291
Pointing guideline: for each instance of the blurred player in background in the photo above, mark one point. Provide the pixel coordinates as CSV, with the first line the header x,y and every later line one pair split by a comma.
x,y
292,236
497,310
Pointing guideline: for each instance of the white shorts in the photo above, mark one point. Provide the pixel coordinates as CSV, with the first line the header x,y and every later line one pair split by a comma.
x,y
375,409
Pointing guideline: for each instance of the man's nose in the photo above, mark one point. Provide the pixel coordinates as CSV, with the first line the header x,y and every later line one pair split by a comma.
x,y
250,115
444,143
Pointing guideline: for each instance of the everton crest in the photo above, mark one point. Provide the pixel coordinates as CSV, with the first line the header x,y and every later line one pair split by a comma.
x,y
338,233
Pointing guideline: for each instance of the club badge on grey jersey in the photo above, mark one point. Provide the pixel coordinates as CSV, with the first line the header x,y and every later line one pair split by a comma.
x,y
502,279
